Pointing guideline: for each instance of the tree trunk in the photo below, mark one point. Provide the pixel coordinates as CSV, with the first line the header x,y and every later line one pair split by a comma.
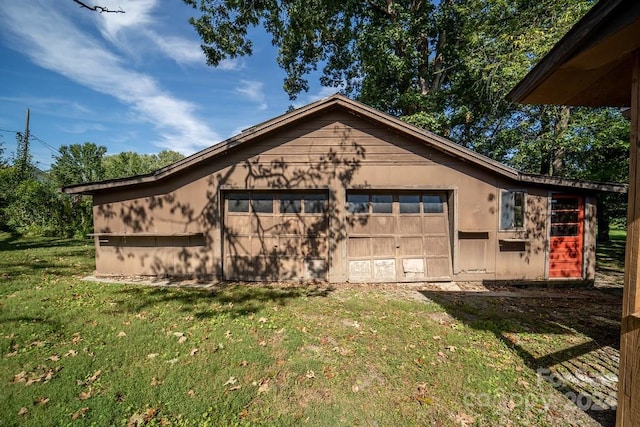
x,y
558,149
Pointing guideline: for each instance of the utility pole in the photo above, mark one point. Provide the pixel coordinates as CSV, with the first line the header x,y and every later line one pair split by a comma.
x,y
24,158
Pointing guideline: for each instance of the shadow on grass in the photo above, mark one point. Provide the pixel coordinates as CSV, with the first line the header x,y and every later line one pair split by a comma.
x,y
542,331
15,242
610,255
234,299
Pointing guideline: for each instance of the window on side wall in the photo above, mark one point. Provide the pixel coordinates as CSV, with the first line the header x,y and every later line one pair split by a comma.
x,y
512,210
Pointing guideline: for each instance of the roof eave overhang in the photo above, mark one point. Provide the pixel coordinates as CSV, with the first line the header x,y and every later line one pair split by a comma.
x,y
590,65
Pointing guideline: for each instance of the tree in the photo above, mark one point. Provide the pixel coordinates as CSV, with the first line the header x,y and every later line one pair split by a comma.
x,y
129,163
78,163
443,65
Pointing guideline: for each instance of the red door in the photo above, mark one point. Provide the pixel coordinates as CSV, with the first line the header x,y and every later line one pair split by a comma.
x,y
566,236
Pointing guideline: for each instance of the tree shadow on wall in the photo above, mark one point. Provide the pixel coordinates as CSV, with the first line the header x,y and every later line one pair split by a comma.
x,y
261,246
541,331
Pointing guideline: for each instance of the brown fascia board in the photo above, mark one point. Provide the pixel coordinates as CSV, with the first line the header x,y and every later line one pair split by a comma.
x,y
571,184
575,39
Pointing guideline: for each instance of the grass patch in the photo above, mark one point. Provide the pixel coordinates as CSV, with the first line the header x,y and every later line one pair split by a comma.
x,y
610,255
79,353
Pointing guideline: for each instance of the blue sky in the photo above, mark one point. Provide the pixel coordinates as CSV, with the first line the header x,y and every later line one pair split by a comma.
x,y
136,81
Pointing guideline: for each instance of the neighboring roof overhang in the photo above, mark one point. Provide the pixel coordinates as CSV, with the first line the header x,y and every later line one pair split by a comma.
x,y
591,64
353,107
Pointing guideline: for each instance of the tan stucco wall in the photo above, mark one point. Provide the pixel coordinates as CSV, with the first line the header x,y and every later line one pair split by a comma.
x,y
335,151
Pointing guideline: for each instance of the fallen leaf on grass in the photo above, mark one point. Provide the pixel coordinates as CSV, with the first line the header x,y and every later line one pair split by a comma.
x,y
451,348
122,334
182,339
94,377
328,372
13,353
355,388
23,411
71,353
76,338
193,352
310,374
191,393
151,412
235,387
264,386
228,334
263,320
437,337
244,363
231,380
79,413
20,377
41,401
464,419
262,343
136,420
151,355
523,383
155,381
54,358
511,405
85,395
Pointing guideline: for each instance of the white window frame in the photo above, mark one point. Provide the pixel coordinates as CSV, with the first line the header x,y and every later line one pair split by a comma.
x,y
507,212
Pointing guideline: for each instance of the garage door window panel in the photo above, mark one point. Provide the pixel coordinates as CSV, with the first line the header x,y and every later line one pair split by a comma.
x,y
262,203
315,203
238,202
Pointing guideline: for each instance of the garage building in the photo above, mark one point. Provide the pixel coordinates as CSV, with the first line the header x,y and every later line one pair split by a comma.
x,y
337,191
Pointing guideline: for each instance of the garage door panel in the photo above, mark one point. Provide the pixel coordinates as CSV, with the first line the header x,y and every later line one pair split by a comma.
x,y
290,225
435,225
264,246
239,224
313,224
410,224
434,246
383,246
239,246
438,267
411,246
382,225
359,247
263,224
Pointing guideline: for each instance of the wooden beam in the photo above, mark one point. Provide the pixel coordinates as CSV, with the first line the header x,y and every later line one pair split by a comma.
x,y
628,411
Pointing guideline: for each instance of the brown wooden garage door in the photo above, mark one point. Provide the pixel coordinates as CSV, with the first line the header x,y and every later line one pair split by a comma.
x,y
398,237
275,236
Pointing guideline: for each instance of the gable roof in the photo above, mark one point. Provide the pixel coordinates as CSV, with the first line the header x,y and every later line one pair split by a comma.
x,y
355,108
591,64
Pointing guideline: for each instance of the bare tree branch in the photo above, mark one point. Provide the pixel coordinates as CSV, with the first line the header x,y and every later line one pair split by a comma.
x,y
101,9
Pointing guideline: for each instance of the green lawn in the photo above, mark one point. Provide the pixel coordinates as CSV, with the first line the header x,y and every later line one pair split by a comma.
x,y
83,353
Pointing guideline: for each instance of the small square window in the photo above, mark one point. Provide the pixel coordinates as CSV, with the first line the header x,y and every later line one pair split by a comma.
x,y
290,203
382,203
432,204
409,203
358,203
262,203
315,203
238,202
512,210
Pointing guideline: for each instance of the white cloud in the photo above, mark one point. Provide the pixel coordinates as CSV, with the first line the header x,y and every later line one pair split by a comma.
x,y
54,41
82,127
254,91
